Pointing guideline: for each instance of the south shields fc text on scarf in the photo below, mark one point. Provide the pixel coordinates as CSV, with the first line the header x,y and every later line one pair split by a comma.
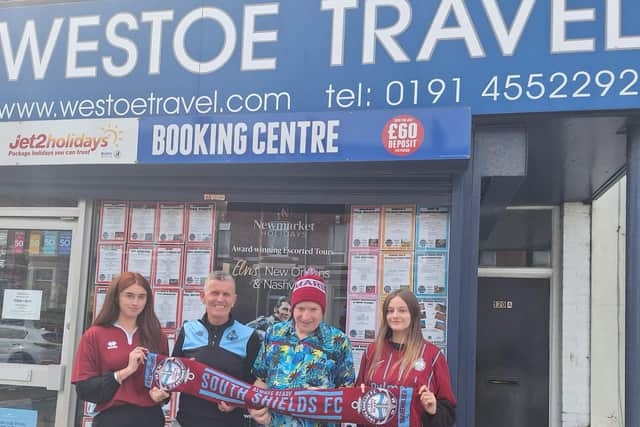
x,y
374,406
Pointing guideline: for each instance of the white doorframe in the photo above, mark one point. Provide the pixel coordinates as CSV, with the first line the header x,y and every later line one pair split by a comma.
x,y
57,377
554,274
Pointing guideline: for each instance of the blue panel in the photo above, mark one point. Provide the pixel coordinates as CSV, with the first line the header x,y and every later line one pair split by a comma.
x,y
632,299
195,335
463,291
307,137
18,417
235,339
64,243
174,58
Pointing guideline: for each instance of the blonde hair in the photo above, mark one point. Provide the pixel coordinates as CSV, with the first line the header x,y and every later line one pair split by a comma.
x,y
413,341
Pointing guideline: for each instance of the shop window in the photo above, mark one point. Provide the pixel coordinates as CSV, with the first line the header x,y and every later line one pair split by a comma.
x,y
362,252
278,236
9,333
338,238
519,238
43,276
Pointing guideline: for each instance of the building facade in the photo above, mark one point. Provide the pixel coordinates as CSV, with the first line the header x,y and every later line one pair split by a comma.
x,y
471,151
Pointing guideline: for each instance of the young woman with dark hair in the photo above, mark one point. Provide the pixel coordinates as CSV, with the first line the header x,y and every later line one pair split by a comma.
x,y
400,356
107,368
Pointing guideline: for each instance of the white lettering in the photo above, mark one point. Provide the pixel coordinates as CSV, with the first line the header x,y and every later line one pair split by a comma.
x,y
465,31
123,43
387,35
318,130
560,16
157,141
156,19
180,49
75,46
258,146
339,8
29,40
272,138
173,135
614,39
508,39
332,135
199,145
251,36
186,139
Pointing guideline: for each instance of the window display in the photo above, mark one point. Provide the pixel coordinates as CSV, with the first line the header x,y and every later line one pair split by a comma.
x,y
362,252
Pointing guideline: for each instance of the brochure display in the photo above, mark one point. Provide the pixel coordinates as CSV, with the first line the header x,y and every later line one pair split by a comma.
x,y
361,320
363,273
170,223
170,244
197,265
168,265
398,227
394,247
113,221
110,262
142,222
192,306
396,271
201,223
365,227
140,260
431,274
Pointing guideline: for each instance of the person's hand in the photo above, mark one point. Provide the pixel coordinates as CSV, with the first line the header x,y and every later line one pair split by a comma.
x,y
137,357
362,387
428,400
158,395
262,416
225,407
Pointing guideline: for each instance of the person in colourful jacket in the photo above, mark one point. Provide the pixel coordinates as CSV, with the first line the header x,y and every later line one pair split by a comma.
x,y
303,352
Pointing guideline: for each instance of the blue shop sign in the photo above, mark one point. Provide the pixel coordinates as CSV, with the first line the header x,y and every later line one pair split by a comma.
x,y
145,58
421,134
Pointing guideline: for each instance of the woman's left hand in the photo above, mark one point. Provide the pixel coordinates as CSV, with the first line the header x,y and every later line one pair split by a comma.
x,y
428,400
158,395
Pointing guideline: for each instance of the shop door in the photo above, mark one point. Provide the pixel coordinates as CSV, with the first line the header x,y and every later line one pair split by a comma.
x,y
512,383
36,303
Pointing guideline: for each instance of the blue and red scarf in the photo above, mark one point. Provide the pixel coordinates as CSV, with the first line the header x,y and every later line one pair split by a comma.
x,y
374,406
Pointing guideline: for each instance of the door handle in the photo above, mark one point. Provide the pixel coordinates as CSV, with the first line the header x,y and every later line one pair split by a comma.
x,y
504,381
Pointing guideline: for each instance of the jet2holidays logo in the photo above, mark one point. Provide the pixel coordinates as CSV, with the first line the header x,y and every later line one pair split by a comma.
x,y
70,142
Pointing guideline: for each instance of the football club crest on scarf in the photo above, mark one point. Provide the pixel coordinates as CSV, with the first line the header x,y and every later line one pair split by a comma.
x,y
378,406
171,373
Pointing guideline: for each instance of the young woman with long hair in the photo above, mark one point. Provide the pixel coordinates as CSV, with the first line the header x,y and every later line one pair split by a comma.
x,y
400,356
109,363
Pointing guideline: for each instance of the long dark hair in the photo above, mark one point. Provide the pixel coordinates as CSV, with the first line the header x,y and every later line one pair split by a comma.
x,y
413,340
148,323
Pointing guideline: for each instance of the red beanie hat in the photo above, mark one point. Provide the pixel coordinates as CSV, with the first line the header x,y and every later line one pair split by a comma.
x,y
309,287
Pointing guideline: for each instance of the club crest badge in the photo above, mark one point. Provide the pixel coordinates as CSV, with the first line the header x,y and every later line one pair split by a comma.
x,y
419,365
171,373
377,406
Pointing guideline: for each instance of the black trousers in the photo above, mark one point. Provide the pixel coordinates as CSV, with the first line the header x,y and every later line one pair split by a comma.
x,y
130,416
